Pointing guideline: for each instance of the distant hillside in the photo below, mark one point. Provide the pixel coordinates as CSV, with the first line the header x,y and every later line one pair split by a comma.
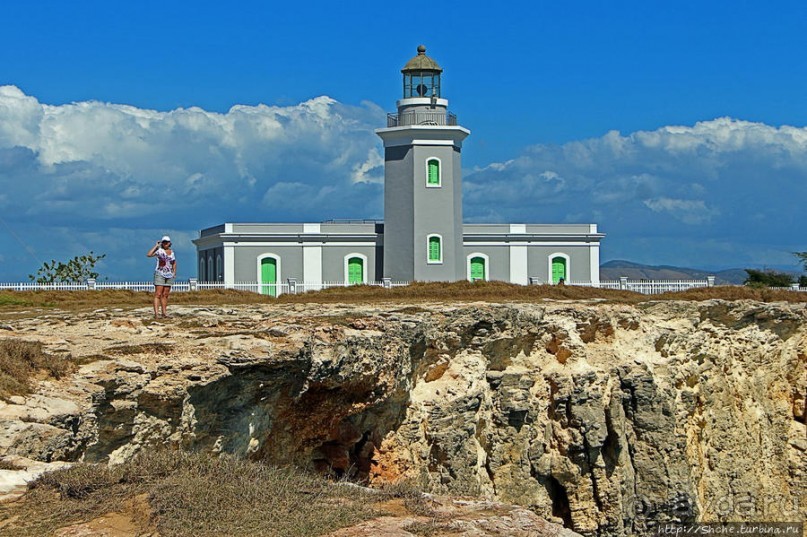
x,y
612,270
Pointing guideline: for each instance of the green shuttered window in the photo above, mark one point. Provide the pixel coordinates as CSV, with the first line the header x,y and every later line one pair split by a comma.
x,y
435,249
433,172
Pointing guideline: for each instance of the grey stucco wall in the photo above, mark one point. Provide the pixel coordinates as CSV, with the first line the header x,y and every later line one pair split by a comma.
x,y
209,255
498,261
246,264
578,268
437,211
291,261
398,213
333,261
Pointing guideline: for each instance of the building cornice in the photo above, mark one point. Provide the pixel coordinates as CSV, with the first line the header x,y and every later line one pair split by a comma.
x,y
531,237
292,238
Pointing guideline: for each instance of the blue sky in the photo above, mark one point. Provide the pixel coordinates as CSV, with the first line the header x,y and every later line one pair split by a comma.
x,y
678,127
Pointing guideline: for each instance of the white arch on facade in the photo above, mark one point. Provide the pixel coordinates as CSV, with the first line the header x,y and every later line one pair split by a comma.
x,y
428,241
549,265
439,172
468,265
363,266
277,266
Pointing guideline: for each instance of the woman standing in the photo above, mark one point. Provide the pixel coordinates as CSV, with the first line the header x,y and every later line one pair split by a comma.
x,y
164,273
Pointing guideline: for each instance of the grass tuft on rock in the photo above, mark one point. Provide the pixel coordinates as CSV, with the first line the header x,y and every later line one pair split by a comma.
x,y
190,494
22,361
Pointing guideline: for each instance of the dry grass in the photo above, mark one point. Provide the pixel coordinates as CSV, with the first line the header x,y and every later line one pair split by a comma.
x,y
8,465
113,298
734,293
190,494
417,292
22,361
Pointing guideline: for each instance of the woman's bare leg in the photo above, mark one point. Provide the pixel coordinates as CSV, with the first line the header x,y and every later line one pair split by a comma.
x,y
157,300
164,301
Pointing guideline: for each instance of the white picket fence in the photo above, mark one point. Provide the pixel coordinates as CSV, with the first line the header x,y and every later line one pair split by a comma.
x,y
647,287
274,289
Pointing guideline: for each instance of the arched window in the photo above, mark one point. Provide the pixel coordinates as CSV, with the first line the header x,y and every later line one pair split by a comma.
x,y
268,274
210,271
558,268
355,269
202,277
434,249
433,178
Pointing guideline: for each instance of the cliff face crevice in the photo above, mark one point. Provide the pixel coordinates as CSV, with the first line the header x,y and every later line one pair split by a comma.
x,y
605,418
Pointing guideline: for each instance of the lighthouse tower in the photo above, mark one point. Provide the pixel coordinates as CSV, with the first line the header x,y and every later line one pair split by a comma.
x,y
423,180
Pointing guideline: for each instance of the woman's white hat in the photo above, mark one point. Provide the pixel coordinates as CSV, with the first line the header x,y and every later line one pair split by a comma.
x,y
165,238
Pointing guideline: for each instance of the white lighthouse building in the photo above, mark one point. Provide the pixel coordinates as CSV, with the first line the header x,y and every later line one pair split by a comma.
x,y
422,237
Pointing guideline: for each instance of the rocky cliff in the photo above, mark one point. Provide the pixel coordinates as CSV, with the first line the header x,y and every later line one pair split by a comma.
x,y
607,418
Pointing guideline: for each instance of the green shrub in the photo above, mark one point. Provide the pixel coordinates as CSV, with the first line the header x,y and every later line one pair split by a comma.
x,y
767,278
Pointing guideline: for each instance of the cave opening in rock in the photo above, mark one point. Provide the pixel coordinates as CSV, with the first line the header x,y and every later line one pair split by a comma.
x,y
560,501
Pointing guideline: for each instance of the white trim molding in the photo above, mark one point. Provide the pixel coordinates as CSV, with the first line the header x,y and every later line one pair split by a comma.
x,y
468,265
229,265
594,263
312,264
363,266
428,258
549,265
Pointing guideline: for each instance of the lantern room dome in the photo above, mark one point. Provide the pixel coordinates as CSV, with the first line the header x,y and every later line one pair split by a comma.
x,y
421,62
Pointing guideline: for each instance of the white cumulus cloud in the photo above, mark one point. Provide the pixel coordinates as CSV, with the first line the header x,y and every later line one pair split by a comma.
x,y
94,165
677,194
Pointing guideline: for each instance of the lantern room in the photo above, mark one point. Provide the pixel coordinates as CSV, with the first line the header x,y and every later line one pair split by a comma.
x,y
421,76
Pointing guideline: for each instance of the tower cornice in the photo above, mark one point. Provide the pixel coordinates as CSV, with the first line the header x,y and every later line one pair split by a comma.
x,y
423,135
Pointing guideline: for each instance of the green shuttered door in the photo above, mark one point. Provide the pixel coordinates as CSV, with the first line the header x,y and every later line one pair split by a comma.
x,y
558,269
477,269
269,276
355,270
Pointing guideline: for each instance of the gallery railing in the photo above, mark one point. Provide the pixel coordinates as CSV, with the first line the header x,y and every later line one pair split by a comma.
x,y
421,118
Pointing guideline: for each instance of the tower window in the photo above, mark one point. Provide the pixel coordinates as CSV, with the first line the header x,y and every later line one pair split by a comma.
x,y
435,249
433,173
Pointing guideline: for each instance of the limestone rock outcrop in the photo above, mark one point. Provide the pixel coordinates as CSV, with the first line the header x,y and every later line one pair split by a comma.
x,y
606,418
